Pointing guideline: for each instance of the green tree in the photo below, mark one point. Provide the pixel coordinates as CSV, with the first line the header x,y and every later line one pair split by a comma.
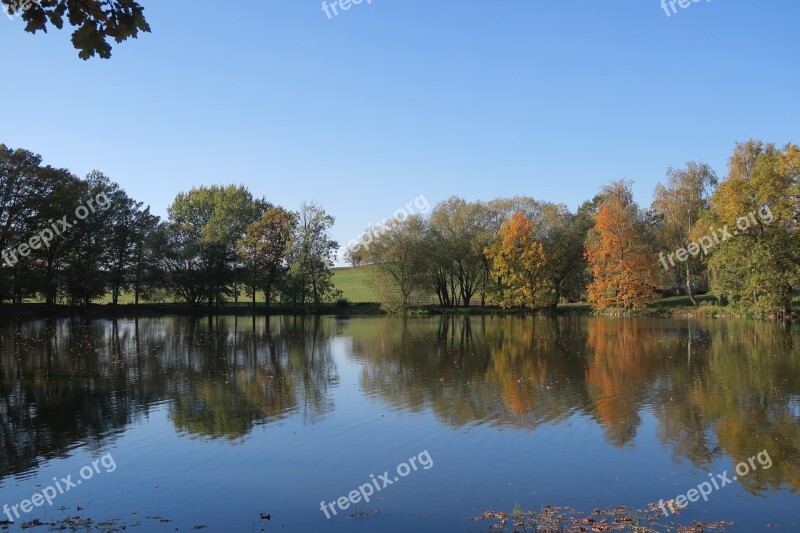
x,y
311,257
145,233
758,267
96,21
678,206
400,259
24,187
90,258
131,228
199,255
459,232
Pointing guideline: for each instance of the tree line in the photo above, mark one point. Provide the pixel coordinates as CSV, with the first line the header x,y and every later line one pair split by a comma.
x,y
218,242
521,252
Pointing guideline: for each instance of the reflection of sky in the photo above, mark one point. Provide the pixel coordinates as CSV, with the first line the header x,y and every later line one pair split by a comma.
x,y
287,468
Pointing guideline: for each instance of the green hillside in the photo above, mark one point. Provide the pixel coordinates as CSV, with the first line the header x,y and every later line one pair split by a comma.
x,y
352,281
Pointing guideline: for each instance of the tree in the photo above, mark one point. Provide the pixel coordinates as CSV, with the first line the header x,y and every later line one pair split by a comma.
x,y
519,264
90,258
264,249
145,233
618,253
399,258
50,264
24,184
459,233
199,258
311,257
131,226
96,21
758,203
561,235
679,206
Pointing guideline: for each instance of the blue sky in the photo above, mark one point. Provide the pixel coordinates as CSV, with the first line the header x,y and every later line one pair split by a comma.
x,y
365,111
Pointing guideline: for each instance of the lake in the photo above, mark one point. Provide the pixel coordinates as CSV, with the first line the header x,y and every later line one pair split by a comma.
x,y
176,423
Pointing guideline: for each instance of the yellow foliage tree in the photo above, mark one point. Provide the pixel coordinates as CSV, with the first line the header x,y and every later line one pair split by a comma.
x,y
518,264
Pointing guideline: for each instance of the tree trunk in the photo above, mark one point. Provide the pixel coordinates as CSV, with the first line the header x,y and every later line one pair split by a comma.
x,y
689,285
137,282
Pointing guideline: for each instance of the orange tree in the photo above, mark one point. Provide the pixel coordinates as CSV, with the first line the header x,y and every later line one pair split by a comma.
x,y
622,265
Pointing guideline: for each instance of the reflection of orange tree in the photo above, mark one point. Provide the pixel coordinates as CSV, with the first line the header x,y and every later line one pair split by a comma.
x,y
534,367
621,361
503,370
708,390
514,369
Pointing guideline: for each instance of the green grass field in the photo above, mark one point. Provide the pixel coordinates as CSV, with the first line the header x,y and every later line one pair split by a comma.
x,y
353,284
351,281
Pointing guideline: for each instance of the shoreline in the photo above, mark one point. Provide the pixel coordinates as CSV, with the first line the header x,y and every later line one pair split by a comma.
x,y
42,311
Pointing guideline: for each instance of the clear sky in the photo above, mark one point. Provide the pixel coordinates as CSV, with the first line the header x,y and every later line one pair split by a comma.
x,y
366,110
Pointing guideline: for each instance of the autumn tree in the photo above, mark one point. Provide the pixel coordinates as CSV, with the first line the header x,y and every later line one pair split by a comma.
x,y
758,266
561,234
618,253
518,262
678,206
264,249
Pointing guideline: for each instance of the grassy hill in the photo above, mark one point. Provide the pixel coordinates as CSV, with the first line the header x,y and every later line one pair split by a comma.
x,y
353,284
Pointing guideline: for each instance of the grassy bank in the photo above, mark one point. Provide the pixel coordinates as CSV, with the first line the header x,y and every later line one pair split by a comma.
x,y
360,298
36,310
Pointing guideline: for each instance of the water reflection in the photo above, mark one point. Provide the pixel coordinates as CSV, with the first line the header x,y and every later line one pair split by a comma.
x,y
65,384
717,388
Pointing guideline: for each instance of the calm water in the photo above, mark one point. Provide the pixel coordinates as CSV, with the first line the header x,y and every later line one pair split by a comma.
x,y
213,422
